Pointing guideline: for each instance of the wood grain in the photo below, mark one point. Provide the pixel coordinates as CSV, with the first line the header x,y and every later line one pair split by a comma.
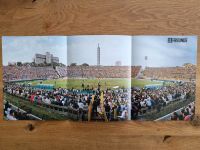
x,y
72,17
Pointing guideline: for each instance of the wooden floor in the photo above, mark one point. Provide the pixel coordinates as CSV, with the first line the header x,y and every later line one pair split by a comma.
x,y
80,17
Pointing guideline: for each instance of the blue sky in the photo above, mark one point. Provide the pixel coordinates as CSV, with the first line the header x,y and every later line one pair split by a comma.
x,y
83,49
161,53
23,48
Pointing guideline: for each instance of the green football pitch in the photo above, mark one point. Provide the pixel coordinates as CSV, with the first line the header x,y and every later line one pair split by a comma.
x,y
105,83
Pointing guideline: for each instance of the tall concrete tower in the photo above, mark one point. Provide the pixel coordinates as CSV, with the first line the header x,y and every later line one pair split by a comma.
x,y
98,55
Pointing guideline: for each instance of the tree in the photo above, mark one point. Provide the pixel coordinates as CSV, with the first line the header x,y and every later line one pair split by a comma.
x,y
85,64
19,63
73,64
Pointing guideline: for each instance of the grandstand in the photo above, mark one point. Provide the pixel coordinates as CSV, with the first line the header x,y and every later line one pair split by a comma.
x,y
16,73
184,113
94,71
175,90
135,70
150,104
183,73
69,104
145,101
12,73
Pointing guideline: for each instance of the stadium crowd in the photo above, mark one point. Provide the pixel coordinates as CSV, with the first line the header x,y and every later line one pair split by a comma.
x,y
114,102
144,100
185,114
11,73
135,70
184,73
13,114
94,71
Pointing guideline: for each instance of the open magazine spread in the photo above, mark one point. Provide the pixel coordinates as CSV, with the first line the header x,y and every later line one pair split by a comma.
x,y
99,77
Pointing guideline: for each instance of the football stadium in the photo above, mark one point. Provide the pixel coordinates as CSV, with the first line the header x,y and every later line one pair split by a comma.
x,y
43,91
46,89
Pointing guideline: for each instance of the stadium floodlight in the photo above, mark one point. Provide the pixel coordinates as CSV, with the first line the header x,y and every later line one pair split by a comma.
x,y
146,58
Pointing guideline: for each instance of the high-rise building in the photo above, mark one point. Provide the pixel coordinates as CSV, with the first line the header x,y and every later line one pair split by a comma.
x,y
11,63
98,55
47,58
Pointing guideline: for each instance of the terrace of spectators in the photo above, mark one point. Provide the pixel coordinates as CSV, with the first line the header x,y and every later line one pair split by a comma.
x,y
14,73
184,73
95,72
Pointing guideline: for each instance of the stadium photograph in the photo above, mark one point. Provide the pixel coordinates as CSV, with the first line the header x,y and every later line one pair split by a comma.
x,y
163,77
99,77
67,78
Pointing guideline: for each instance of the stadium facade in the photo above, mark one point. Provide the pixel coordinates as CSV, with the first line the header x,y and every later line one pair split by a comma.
x,y
47,58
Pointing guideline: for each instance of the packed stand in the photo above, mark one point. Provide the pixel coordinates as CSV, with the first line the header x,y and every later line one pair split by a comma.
x,y
184,73
115,102
94,71
14,114
185,114
144,100
135,70
13,73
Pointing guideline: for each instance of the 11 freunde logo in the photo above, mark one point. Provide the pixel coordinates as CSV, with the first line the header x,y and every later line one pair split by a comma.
x,y
175,40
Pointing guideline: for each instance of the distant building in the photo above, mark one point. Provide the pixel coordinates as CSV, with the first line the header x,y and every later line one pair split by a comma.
x,y
11,63
47,58
118,63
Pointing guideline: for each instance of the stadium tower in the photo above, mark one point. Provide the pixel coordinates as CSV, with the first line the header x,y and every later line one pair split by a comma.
x,y
98,64
98,55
